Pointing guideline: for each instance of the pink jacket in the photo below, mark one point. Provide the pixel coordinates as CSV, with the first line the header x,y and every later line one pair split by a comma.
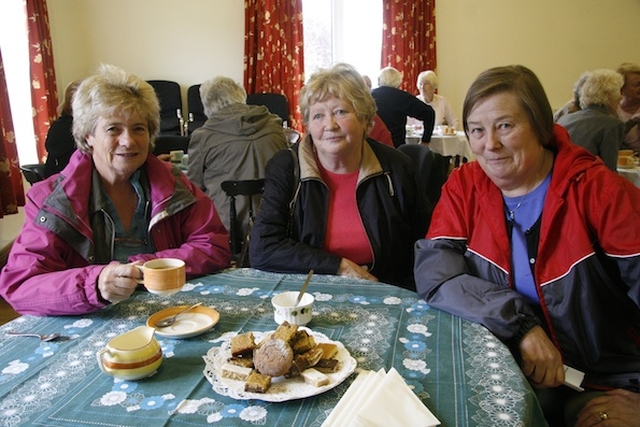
x,y
50,270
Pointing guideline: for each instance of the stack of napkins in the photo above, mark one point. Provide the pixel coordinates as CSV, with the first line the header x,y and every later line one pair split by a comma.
x,y
380,399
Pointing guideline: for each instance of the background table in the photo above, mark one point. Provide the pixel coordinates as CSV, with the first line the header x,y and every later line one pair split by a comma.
x,y
447,145
460,371
632,174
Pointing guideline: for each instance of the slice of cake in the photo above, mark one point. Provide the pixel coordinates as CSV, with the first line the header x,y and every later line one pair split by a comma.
x,y
245,362
315,378
328,349
242,345
285,331
327,366
257,383
235,372
302,342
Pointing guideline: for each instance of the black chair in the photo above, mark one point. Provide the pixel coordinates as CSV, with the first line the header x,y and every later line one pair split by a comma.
x,y
170,99
275,102
432,169
167,143
238,238
33,173
195,107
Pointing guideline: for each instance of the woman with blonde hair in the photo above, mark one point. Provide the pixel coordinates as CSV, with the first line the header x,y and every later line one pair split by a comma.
x,y
339,202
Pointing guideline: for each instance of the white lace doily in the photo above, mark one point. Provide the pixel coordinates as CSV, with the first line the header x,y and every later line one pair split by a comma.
x,y
282,389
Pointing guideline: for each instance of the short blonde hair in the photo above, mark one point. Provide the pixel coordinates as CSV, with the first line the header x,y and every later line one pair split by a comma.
x,y
113,92
343,82
601,87
389,76
221,92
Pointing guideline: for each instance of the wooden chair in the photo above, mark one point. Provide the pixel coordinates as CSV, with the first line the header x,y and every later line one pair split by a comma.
x,y
238,239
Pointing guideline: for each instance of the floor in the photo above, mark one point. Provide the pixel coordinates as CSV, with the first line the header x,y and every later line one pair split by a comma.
x,y
6,312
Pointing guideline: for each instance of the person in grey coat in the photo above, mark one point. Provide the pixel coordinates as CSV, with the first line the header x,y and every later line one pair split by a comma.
x,y
235,143
596,126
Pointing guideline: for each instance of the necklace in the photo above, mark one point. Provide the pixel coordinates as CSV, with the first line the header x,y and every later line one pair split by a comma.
x,y
512,212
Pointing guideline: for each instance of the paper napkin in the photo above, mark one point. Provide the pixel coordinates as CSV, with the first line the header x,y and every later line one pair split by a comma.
x,y
380,399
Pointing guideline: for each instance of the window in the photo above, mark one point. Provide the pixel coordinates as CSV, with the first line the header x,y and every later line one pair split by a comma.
x,y
343,31
15,58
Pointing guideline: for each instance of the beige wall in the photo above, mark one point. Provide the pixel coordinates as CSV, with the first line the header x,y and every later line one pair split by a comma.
x,y
190,41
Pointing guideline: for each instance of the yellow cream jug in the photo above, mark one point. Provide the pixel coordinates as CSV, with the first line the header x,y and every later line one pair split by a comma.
x,y
133,355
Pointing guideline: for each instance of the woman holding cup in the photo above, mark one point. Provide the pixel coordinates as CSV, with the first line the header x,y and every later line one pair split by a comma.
x,y
114,206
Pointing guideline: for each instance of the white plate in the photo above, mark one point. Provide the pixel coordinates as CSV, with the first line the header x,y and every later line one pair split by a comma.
x,y
194,322
282,389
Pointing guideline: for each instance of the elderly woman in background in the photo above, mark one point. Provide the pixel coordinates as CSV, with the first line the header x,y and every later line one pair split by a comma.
x,y
395,105
538,241
339,203
596,126
574,104
113,205
60,144
629,108
235,143
427,85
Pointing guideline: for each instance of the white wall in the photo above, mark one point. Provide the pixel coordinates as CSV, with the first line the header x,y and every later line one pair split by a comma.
x,y
557,39
184,41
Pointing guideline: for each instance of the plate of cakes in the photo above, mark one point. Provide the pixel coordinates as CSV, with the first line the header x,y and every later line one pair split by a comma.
x,y
276,366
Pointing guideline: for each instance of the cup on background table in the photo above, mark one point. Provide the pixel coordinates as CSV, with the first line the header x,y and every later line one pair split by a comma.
x,y
176,156
163,276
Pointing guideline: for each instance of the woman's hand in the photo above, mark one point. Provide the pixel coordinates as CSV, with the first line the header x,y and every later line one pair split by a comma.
x,y
351,269
620,408
118,281
541,361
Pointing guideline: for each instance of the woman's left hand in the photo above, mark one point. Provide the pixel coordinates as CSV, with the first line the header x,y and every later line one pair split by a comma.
x,y
619,408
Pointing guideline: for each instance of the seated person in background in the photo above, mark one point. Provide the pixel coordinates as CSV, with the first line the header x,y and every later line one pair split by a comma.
x,y
427,85
312,217
574,104
629,108
596,126
114,204
234,144
60,144
539,242
395,105
379,130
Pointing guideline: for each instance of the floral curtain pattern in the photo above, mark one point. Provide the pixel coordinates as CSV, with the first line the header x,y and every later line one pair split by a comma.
x,y
44,97
11,188
273,52
409,38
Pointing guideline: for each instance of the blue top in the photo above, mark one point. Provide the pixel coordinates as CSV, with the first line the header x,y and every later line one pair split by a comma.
x,y
523,212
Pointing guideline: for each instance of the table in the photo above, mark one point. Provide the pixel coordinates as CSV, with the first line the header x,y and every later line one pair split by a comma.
x,y
632,174
447,145
461,372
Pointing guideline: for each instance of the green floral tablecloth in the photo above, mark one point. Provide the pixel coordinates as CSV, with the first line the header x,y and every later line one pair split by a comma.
x,y
462,373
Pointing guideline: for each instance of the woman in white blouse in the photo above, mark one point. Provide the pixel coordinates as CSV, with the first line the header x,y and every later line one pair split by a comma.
x,y
427,85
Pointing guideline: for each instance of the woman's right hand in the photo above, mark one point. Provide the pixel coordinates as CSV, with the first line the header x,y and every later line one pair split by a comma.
x,y
118,281
541,360
351,269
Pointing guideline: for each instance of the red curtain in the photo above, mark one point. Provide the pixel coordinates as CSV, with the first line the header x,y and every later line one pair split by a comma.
x,y
409,38
43,77
273,51
11,188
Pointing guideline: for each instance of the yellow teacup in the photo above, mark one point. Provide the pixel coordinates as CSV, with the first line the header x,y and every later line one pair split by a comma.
x,y
163,276
626,161
132,355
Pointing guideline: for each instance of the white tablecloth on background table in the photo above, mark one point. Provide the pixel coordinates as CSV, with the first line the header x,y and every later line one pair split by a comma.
x,y
632,174
447,145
